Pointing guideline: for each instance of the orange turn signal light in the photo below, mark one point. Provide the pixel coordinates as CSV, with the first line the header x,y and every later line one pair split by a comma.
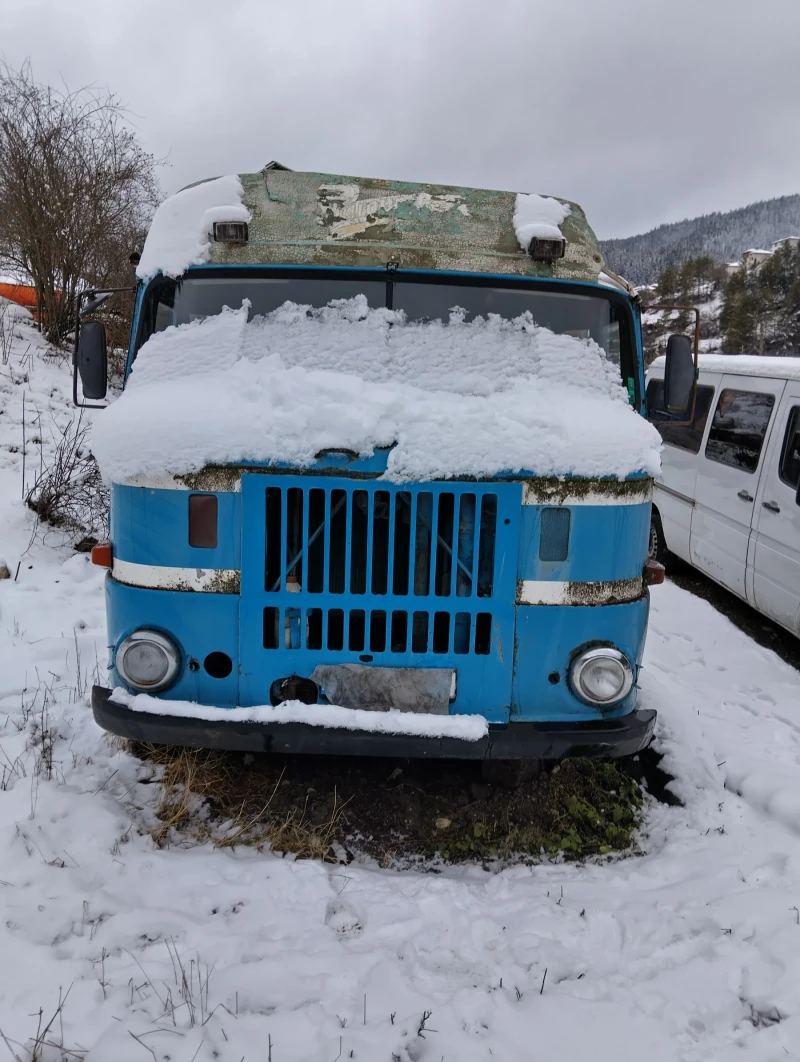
x,y
653,573
102,555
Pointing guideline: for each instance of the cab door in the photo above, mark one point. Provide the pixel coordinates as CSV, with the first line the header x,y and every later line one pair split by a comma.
x,y
728,475
776,553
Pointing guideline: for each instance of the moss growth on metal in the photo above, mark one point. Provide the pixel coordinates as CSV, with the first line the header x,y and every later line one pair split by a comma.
x,y
222,478
550,490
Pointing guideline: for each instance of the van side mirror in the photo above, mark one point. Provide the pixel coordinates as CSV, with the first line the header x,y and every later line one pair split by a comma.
x,y
679,375
92,360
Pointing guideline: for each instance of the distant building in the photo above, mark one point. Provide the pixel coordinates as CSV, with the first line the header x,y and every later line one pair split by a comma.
x,y
754,258
791,243
731,268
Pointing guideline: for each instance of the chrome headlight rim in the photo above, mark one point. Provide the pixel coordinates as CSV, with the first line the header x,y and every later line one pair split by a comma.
x,y
163,642
587,655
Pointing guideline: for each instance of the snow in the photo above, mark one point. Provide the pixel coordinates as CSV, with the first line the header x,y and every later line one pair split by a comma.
x,y
745,365
467,727
454,398
538,215
687,952
609,281
181,227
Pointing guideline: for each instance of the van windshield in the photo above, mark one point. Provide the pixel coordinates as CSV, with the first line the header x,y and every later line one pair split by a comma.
x,y
598,317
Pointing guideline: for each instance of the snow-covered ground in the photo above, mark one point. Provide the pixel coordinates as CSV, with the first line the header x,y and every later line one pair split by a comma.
x,y
688,952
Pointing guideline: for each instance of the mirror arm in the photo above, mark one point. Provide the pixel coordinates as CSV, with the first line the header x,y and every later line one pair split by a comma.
x,y
88,294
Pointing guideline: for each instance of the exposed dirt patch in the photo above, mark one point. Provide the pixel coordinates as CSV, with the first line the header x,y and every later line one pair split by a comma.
x,y
395,811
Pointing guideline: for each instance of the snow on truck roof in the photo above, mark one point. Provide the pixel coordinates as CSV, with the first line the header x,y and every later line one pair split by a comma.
x,y
317,219
745,365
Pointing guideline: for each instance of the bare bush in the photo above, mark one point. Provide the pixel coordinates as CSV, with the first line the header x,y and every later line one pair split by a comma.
x,y
76,193
68,492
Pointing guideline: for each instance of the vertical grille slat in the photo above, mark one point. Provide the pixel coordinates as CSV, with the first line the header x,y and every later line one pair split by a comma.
x,y
390,544
486,544
369,542
348,539
408,582
421,549
326,548
434,545
284,520
465,570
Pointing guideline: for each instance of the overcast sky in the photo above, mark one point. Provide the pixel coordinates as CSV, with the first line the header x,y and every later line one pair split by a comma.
x,y
643,111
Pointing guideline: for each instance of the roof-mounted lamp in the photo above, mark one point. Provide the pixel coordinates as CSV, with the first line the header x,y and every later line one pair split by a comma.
x,y
230,231
542,249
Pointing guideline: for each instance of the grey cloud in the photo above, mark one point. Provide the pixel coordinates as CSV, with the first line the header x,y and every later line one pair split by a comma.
x,y
642,112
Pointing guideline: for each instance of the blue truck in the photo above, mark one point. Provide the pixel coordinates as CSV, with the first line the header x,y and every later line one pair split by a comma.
x,y
518,597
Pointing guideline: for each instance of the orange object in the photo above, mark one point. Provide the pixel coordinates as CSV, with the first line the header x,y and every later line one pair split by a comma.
x,y
22,294
102,554
653,573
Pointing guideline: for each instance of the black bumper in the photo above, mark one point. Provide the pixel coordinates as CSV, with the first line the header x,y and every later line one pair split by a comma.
x,y
516,741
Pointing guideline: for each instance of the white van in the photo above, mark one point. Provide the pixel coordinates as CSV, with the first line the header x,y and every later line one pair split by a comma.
x,y
728,499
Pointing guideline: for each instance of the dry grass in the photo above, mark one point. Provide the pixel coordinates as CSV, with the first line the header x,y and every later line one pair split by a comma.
x,y
195,782
394,811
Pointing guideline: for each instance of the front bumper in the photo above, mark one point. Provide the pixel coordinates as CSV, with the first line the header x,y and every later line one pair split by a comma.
x,y
603,738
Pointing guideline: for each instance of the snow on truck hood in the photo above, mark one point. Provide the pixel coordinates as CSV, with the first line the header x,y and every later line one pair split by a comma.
x,y
453,399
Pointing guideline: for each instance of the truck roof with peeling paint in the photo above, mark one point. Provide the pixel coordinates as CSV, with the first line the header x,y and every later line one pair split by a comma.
x,y
315,219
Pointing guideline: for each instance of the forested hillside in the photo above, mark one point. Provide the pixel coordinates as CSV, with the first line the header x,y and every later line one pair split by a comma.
x,y
722,236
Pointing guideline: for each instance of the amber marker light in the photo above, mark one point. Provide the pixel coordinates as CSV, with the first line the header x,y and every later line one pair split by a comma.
x,y
102,554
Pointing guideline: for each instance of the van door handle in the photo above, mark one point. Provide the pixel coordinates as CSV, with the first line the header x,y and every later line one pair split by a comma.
x,y
745,496
772,506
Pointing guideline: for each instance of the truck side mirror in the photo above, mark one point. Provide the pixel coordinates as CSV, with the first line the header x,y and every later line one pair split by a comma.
x,y
679,375
92,359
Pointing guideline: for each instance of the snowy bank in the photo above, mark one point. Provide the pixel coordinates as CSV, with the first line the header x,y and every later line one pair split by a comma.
x,y
453,399
466,727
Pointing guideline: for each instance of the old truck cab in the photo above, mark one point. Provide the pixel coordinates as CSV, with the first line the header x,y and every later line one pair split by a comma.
x,y
381,482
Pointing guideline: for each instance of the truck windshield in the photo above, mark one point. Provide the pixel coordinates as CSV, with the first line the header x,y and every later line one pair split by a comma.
x,y
601,317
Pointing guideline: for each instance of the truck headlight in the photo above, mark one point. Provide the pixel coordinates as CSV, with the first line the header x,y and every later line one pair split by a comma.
x,y
148,660
601,676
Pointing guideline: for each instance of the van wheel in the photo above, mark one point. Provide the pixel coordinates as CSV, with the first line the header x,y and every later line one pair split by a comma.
x,y
657,548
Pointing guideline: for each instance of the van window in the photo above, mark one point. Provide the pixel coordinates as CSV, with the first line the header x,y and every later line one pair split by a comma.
x,y
790,455
738,428
684,436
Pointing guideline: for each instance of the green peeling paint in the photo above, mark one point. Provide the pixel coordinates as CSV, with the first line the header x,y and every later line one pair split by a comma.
x,y
329,219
